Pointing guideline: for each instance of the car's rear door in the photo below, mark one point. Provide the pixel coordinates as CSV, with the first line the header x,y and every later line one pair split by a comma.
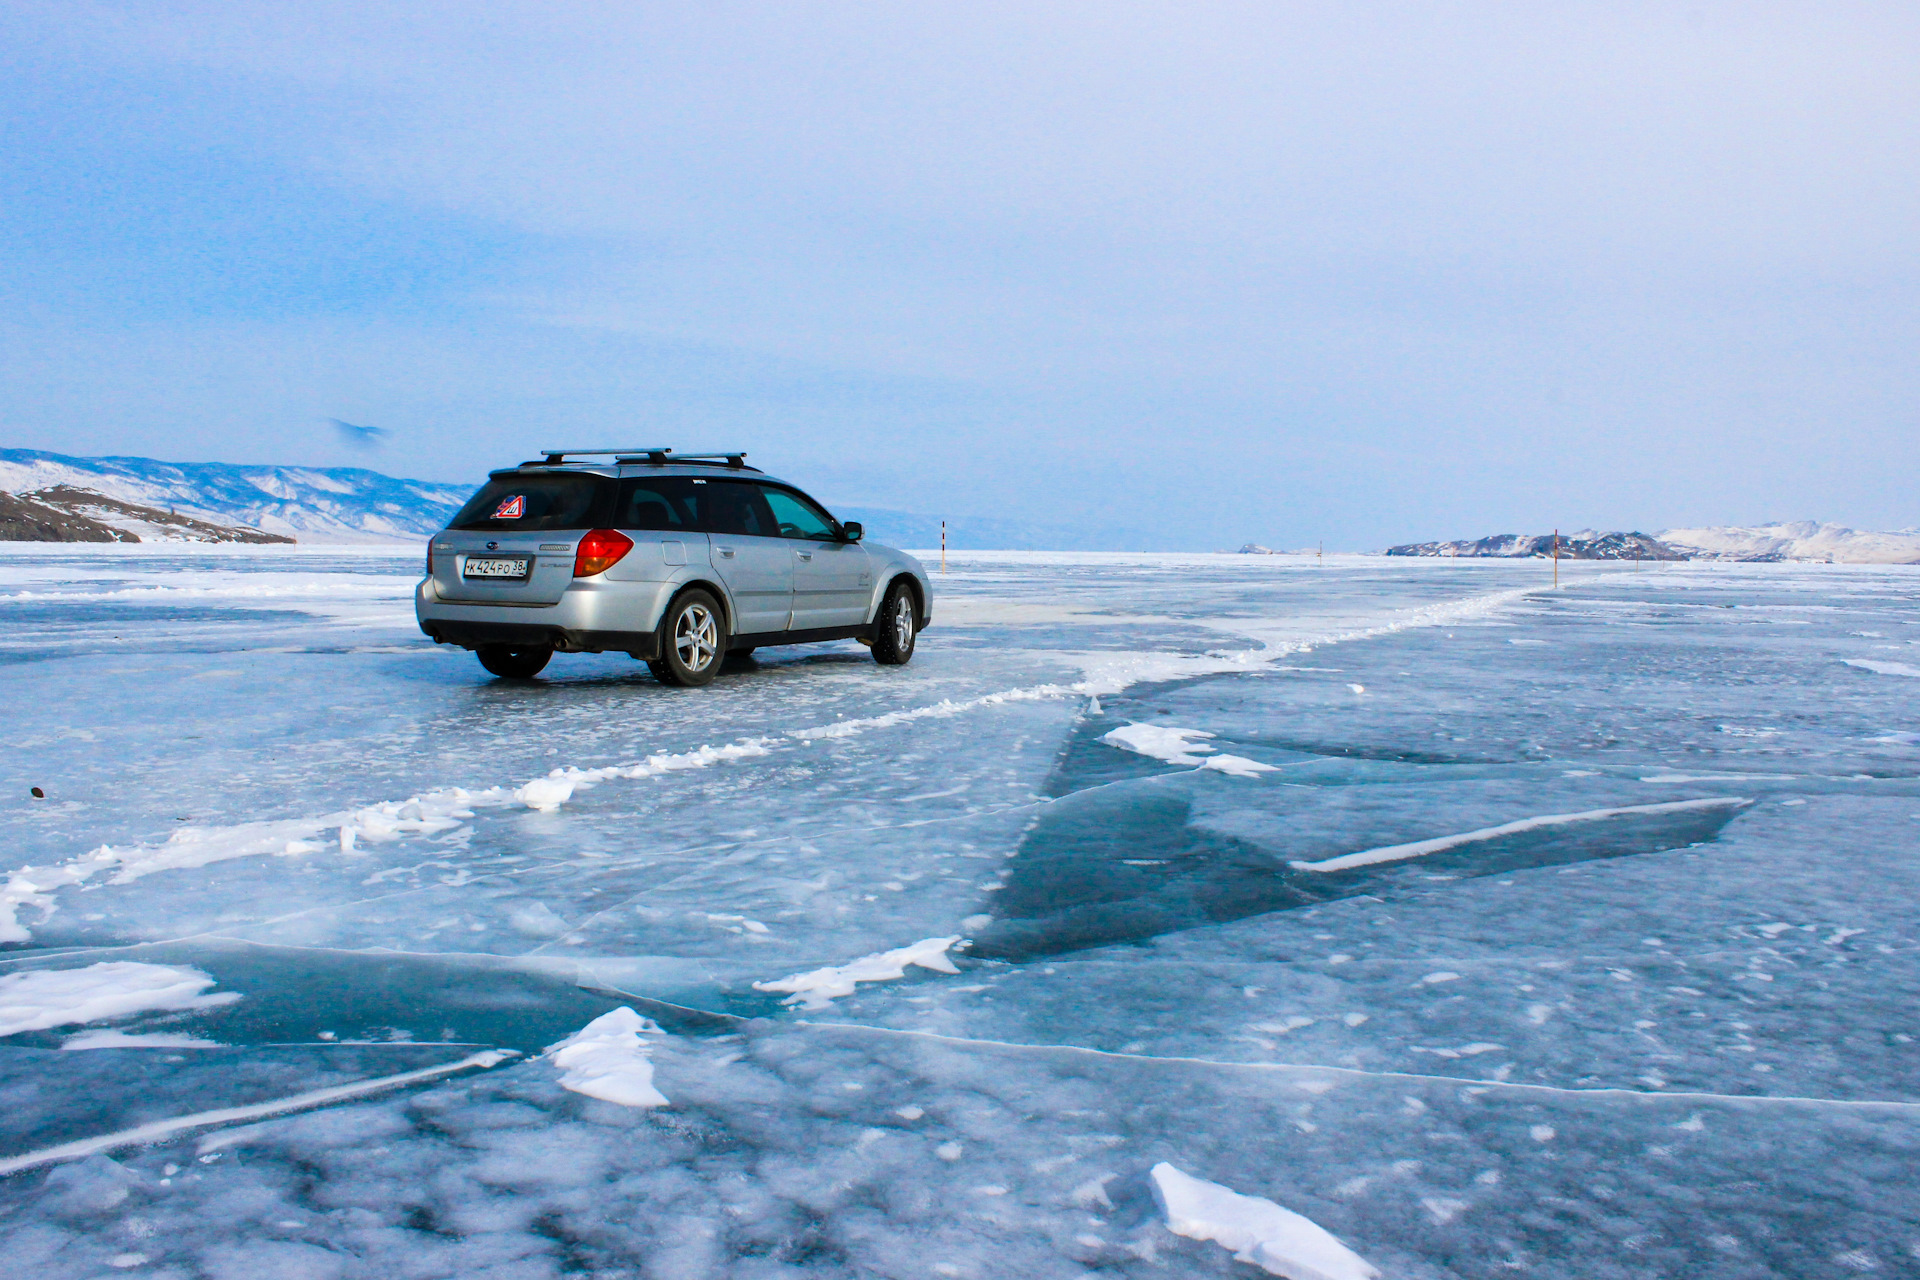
x,y
832,578
754,562
660,514
513,542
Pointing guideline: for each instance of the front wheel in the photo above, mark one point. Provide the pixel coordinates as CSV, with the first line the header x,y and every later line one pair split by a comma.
x,y
693,641
896,628
512,663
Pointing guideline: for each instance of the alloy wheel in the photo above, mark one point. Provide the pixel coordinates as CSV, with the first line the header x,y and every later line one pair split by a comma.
x,y
696,637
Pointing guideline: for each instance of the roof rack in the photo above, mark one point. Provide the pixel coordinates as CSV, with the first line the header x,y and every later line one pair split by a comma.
x,y
658,457
554,457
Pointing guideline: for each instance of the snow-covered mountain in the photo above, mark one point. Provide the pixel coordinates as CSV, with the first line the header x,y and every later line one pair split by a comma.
x,y
1587,544
1803,540
348,504
307,504
1796,540
66,514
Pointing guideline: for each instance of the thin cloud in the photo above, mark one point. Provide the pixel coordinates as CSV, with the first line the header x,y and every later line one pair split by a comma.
x,y
358,437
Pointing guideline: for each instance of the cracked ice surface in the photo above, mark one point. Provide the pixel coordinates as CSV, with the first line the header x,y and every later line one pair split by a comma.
x,y
1633,997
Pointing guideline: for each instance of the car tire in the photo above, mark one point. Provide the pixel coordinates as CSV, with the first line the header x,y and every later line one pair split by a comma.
x,y
512,663
895,628
693,640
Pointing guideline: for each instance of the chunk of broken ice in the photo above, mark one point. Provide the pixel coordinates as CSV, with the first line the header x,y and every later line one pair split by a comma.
x,y
607,1059
1257,1230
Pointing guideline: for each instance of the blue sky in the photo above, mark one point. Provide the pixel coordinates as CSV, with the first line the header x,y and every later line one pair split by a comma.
x,y
1279,272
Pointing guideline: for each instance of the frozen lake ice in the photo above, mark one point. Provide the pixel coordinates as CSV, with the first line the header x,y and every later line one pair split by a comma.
x,y
1496,930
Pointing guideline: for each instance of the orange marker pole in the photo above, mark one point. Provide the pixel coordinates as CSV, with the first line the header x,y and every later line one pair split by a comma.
x,y
943,546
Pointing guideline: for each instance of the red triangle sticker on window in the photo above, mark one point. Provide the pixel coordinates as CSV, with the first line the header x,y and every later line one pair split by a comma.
x,y
512,509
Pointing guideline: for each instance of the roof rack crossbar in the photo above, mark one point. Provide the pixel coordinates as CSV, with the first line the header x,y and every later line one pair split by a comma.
x,y
734,458
556,456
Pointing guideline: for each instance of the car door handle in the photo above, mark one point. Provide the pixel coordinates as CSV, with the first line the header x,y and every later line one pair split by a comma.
x,y
804,555
725,551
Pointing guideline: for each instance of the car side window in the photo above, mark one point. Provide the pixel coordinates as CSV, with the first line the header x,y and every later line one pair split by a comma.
x,y
734,506
665,504
795,517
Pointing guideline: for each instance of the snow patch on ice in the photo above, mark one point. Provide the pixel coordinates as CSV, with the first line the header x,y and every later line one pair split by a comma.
x,y
546,794
1716,777
1420,848
1885,668
1161,742
1280,1241
1473,1050
429,813
1238,766
537,920
607,1059
821,987
1182,746
41,998
107,1038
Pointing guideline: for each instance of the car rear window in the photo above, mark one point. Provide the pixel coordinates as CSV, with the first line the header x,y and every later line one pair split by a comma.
x,y
538,502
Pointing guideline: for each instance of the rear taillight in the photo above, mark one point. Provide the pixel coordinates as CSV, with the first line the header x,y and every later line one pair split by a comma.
x,y
599,551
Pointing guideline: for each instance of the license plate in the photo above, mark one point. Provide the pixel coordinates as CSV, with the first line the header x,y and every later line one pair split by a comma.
x,y
497,566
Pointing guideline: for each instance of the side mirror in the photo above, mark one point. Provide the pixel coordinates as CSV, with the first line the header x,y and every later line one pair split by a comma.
x,y
851,531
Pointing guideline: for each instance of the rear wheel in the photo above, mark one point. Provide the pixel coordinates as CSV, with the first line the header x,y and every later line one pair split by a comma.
x,y
693,640
896,628
512,663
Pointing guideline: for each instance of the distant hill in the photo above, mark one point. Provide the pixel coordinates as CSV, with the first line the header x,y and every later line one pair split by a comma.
x,y
349,504
1801,540
304,504
66,514
1796,540
1584,545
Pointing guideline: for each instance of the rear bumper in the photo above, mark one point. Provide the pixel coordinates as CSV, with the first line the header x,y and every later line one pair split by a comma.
x,y
588,619
523,635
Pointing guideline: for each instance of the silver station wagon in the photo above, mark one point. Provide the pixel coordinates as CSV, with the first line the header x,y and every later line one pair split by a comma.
x,y
678,560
